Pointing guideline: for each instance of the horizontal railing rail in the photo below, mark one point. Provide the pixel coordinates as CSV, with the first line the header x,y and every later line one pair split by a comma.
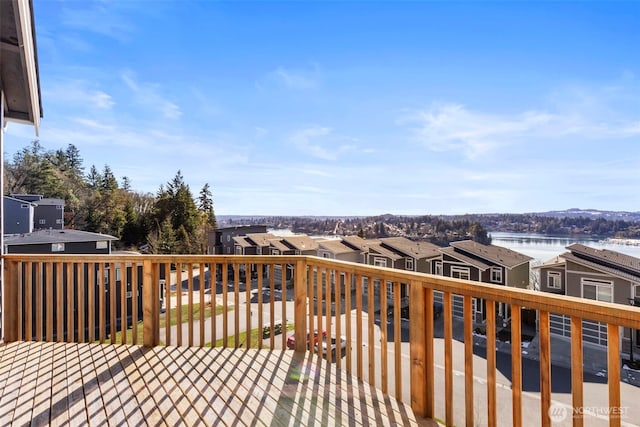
x,y
349,314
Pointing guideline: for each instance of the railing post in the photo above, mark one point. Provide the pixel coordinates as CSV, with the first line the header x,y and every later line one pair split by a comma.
x,y
10,308
300,296
418,349
149,306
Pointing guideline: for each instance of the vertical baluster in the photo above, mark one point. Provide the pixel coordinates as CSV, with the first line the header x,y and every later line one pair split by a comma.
x,y
261,269
236,304
283,287
491,363
371,308
383,336
134,303
70,267
113,308
348,320
91,313
28,301
49,300
190,303
468,361
213,271
397,338
81,283
248,316
613,374
38,307
337,290
576,371
167,304
101,303
124,277
516,365
201,283
359,326
178,304
59,303
327,311
310,286
448,353
545,369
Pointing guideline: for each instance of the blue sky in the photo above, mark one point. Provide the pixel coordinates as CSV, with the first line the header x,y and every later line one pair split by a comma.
x,y
350,108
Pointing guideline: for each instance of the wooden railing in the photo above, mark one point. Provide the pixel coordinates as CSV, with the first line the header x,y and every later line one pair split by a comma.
x,y
220,300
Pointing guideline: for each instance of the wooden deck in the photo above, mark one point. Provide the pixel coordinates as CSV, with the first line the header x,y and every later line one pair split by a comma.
x,y
79,384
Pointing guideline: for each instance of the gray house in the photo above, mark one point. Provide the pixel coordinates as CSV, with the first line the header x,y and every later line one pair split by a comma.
x,y
25,213
493,264
220,240
597,274
18,215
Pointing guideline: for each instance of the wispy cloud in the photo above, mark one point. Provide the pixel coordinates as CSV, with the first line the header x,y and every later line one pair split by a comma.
x,y
320,142
99,19
80,93
292,78
148,94
453,127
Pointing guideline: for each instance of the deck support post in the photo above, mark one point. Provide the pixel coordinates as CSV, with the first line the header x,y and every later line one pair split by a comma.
x,y
150,302
300,296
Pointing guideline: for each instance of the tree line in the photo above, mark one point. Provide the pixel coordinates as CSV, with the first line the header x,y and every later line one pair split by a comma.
x,y
171,221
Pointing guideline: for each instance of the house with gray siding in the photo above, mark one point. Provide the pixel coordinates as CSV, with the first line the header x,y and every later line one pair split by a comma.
x,y
597,274
220,241
18,216
493,264
48,213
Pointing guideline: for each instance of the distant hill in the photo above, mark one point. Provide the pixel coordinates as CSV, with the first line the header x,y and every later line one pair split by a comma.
x,y
591,213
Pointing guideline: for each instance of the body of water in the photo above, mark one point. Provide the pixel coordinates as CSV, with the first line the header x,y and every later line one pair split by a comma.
x,y
542,247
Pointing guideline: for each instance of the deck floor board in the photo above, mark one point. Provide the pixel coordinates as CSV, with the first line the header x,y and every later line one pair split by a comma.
x,y
104,385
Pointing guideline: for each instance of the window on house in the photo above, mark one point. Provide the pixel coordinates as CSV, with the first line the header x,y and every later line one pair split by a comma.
x,y
599,290
477,305
24,206
496,274
379,262
59,207
389,292
259,250
102,244
409,264
42,222
554,280
228,238
438,268
275,251
57,247
458,272
58,221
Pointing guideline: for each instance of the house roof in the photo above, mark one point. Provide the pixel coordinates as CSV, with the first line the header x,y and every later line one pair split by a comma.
x,y
13,199
495,254
56,236
358,242
556,261
261,239
378,249
613,258
19,71
408,247
301,242
602,268
335,246
277,244
50,202
466,259
242,241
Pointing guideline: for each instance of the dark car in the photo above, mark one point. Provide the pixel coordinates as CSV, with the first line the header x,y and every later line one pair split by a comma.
x,y
291,341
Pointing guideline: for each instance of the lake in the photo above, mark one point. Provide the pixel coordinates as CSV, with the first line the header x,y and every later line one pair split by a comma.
x,y
542,247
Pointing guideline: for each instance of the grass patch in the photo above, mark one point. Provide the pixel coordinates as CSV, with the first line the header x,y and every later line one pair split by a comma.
x,y
184,317
256,335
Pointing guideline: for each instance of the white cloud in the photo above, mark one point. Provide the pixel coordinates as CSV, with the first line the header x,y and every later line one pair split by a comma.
x,y
79,92
293,79
148,95
98,19
320,142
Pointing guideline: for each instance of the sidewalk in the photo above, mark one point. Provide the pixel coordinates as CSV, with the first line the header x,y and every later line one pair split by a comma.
x,y
594,358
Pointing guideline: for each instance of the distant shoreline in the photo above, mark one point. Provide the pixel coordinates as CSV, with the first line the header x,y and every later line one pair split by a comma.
x,y
626,242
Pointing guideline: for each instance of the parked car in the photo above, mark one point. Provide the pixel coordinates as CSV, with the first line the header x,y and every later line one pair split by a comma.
x,y
291,341
332,345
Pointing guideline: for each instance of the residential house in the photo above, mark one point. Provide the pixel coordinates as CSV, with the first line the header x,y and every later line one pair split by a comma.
x,y
18,216
338,249
220,240
48,213
493,264
417,256
597,274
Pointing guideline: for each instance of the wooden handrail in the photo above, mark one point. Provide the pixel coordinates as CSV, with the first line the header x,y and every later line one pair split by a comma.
x,y
64,298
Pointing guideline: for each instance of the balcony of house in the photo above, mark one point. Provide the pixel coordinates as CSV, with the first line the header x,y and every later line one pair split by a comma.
x,y
281,340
